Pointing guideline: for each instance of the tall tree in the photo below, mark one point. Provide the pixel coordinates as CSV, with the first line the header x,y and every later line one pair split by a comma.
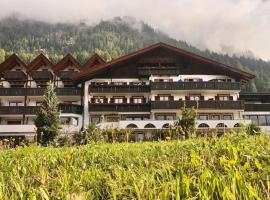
x,y
48,117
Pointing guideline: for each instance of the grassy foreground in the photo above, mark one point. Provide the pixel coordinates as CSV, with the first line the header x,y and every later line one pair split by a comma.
x,y
232,167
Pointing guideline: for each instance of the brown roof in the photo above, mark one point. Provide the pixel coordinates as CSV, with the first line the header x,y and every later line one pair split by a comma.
x,y
68,60
93,60
88,73
38,62
10,62
89,64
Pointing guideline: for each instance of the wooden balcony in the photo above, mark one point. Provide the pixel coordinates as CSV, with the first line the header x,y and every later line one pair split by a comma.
x,y
14,76
42,75
259,107
32,110
119,88
211,104
39,91
195,86
119,107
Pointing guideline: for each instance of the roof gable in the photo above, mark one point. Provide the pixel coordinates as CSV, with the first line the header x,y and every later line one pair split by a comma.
x,y
90,72
94,60
10,62
39,61
68,60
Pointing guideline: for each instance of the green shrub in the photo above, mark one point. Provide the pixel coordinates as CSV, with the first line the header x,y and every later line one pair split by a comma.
x,y
253,129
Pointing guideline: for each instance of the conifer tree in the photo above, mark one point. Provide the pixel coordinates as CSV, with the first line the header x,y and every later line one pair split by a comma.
x,y
48,117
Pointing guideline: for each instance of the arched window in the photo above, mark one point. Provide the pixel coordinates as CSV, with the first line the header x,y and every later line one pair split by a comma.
x,y
221,125
149,126
166,125
203,125
132,126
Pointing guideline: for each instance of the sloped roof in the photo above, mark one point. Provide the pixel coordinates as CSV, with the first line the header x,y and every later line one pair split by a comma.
x,y
10,62
94,60
89,64
39,61
89,72
68,60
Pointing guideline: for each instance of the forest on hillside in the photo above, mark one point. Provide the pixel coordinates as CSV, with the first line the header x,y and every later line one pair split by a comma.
x,y
110,39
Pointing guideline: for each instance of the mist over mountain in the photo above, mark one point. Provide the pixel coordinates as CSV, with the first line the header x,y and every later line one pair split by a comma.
x,y
111,39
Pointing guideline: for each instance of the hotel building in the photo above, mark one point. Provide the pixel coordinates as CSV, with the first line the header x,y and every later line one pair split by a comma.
x,y
143,90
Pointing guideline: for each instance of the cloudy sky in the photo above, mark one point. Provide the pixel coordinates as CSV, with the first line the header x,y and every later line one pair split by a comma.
x,y
220,25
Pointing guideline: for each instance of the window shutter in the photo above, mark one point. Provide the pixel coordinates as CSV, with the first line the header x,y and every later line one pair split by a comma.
x,y
125,100
112,100
131,100
144,100
105,100
93,100
143,83
216,98
231,98
171,98
186,98
201,98
157,98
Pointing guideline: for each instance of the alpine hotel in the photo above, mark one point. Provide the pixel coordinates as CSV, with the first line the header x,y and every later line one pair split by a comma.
x,y
142,91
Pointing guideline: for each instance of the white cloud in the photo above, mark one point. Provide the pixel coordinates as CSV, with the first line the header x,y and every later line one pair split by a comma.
x,y
241,24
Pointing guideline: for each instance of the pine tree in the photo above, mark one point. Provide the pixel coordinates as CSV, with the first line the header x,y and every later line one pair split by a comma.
x,y
48,117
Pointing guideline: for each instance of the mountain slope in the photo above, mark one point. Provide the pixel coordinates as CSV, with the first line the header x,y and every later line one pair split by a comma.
x,y
110,39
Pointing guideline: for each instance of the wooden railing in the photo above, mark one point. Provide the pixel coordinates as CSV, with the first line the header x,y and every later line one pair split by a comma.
x,y
119,107
119,88
39,91
32,110
195,86
210,104
257,107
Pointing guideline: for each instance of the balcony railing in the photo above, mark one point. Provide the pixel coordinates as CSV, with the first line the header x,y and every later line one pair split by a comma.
x,y
39,91
195,86
260,107
119,88
119,107
32,110
200,104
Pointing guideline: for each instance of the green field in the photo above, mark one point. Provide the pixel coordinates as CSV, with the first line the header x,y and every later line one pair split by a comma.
x,y
230,167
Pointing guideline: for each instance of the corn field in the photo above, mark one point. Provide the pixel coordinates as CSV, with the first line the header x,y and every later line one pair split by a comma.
x,y
230,167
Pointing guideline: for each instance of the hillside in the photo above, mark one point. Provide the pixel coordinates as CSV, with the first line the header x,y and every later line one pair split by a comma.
x,y
110,39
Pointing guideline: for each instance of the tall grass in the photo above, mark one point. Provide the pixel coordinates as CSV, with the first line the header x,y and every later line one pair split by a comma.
x,y
231,167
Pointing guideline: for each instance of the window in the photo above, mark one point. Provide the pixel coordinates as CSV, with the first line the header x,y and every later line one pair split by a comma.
x,y
65,120
118,99
165,116
164,97
262,120
268,119
118,83
137,99
254,118
227,117
193,80
101,99
14,122
194,97
215,117
224,97
95,119
16,103
203,117
74,121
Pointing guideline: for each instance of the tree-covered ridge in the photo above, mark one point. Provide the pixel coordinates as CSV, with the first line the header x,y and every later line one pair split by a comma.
x,y
110,39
